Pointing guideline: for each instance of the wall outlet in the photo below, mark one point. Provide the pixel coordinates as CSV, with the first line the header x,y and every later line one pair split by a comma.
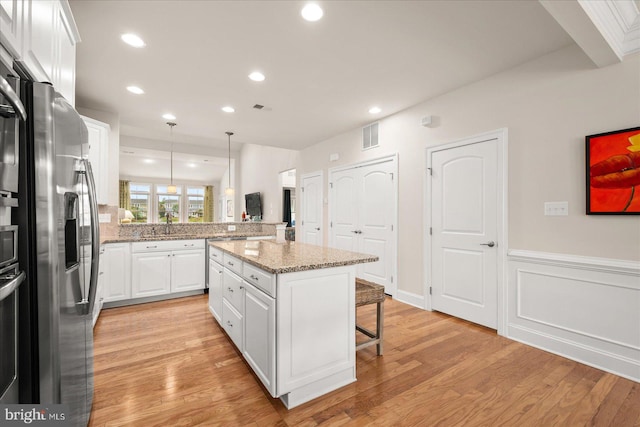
x,y
556,208
231,228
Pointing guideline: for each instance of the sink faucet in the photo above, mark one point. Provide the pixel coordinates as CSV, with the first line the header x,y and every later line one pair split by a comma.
x,y
167,229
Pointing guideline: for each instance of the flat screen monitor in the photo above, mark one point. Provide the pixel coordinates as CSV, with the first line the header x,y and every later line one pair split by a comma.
x,y
253,204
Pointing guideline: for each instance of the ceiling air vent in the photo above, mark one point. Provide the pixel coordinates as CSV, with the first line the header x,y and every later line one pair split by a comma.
x,y
370,136
258,107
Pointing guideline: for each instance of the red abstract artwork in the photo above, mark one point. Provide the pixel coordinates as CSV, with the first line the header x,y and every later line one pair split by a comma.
x,y
613,172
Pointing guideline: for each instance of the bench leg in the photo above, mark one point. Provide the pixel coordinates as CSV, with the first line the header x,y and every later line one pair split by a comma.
x,y
379,326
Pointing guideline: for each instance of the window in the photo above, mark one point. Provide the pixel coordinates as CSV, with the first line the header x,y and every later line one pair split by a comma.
x,y
195,204
140,195
167,204
150,203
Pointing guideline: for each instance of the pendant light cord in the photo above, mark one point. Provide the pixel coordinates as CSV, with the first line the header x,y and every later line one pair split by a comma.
x,y
171,125
229,136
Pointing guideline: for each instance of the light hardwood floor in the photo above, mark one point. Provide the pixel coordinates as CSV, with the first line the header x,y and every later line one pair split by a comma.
x,y
170,364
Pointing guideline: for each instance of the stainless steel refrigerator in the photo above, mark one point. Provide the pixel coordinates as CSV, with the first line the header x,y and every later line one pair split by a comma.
x,y
58,250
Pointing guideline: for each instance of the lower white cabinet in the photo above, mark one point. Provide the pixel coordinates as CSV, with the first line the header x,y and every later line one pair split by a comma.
x,y
152,269
215,289
187,270
117,271
248,316
99,298
260,335
168,266
150,274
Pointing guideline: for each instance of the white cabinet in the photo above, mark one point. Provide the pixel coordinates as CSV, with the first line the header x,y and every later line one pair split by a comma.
x,y
11,26
187,270
150,274
167,266
99,301
260,335
215,288
99,156
42,35
248,314
117,271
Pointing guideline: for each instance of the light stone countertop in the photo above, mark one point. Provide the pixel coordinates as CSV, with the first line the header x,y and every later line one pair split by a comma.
x,y
161,236
289,257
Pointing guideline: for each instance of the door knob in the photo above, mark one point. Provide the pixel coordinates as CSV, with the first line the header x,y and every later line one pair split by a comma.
x,y
490,244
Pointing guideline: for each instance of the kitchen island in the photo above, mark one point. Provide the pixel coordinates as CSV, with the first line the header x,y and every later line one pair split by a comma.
x,y
290,310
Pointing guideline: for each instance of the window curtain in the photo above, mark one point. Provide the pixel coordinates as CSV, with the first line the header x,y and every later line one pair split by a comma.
x,y
286,207
208,204
125,195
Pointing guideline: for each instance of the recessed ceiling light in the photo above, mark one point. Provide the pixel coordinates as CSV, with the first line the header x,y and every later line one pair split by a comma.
x,y
191,165
135,89
312,12
149,161
374,110
256,76
228,109
168,116
132,40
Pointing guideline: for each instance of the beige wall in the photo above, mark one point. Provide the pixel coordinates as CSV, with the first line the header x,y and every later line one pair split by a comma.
x,y
260,168
548,106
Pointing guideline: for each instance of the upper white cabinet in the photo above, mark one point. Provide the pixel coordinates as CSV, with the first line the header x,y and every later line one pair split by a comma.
x,y
11,26
42,35
99,156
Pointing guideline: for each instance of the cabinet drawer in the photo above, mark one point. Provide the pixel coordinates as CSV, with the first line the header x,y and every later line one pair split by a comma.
x,y
215,254
232,263
232,290
166,245
232,324
260,279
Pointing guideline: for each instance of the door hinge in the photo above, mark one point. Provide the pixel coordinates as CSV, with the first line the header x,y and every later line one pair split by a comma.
x,y
430,290
302,188
331,184
430,231
391,227
430,171
302,222
331,224
391,176
391,279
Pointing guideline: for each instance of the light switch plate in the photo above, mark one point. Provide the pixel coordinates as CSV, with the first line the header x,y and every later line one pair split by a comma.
x,y
556,208
106,217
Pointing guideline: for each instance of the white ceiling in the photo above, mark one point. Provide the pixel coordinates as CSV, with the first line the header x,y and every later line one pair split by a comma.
x,y
321,78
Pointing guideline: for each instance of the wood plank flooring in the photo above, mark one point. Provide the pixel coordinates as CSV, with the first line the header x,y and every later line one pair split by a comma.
x,y
170,364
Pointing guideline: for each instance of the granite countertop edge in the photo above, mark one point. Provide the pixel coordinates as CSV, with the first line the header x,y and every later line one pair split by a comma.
x,y
306,266
161,237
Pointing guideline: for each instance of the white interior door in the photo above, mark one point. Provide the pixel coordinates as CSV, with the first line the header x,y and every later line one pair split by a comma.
x,y
343,208
464,212
311,207
363,209
375,222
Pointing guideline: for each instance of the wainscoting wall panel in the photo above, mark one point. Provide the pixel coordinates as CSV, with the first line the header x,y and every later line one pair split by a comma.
x,y
586,309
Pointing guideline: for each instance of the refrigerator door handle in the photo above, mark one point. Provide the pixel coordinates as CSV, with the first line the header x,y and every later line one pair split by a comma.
x,y
95,237
12,283
14,101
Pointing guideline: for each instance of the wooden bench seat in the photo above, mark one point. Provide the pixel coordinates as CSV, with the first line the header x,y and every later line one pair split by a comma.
x,y
371,293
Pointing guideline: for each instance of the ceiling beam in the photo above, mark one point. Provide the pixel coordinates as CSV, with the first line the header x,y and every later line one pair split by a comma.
x,y
605,30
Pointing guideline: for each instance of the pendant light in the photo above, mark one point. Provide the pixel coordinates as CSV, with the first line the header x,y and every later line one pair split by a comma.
x,y
229,190
172,189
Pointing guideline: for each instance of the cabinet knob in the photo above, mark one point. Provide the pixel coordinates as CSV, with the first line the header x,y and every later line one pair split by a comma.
x,y
230,263
229,324
254,277
230,290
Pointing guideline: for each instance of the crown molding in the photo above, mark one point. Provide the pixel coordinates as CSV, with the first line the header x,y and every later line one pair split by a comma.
x,y
618,22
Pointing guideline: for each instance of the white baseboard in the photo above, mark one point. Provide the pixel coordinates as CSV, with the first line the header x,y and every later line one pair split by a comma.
x,y
583,308
410,298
